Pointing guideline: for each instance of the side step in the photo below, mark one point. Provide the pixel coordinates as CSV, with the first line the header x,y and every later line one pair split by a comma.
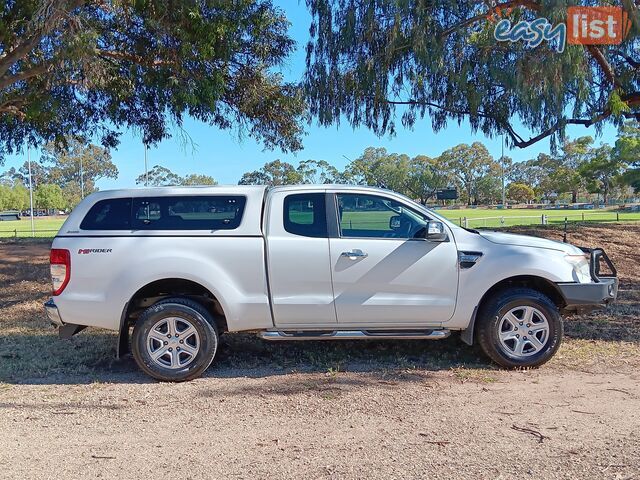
x,y
278,335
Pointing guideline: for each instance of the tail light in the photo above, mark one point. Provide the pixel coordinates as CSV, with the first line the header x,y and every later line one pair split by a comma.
x,y
60,265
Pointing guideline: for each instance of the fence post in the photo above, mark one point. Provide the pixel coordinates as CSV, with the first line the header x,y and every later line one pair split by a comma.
x,y
544,219
15,233
617,216
464,220
460,221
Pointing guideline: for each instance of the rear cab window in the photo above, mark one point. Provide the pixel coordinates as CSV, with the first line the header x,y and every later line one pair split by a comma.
x,y
109,214
220,212
212,212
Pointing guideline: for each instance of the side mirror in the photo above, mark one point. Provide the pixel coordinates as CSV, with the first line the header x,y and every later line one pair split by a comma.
x,y
394,222
435,232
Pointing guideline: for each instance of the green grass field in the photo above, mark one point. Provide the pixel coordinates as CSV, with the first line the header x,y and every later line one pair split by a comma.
x,y
46,227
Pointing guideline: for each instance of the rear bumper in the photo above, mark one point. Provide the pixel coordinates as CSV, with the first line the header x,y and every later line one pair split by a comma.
x,y
579,296
65,330
53,313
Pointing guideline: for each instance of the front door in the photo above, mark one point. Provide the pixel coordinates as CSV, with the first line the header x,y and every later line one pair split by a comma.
x,y
381,273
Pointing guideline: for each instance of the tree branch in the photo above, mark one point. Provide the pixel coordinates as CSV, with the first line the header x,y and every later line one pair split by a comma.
x,y
633,63
45,20
506,5
602,62
12,107
7,81
134,58
632,99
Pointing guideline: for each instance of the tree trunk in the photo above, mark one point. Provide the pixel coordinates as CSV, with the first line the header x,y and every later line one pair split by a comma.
x,y
574,196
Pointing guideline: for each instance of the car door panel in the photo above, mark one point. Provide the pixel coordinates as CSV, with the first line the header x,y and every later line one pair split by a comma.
x,y
401,280
409,281
299,267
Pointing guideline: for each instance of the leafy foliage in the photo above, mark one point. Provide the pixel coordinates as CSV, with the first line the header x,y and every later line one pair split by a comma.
x,y
13,197
470,164
76,169
319,172
368,59
198,179
49,196
273,174
73,67
520,193
159,176
602,170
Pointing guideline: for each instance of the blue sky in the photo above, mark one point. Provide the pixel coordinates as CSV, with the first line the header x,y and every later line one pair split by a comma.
x,y
225,157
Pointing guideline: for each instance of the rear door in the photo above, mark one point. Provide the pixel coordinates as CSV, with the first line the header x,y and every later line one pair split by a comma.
x,y
382,274
298,264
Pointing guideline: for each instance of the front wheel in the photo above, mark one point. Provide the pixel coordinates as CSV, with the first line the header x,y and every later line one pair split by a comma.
x,y
174,340
519,327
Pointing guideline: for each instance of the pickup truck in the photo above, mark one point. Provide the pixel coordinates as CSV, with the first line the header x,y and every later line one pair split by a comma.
x,y
173,268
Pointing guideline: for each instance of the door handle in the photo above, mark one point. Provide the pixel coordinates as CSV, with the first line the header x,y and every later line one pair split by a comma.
x,y
357,253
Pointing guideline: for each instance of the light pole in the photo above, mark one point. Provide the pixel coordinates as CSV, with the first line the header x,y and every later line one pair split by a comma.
x,y
81,179
33,232
146,171
502,159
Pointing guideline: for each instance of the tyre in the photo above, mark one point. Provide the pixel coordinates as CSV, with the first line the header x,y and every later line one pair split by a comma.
x,y
519,327
174,340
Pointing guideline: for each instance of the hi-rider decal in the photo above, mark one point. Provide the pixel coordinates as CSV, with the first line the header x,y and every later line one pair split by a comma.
x,y
88,251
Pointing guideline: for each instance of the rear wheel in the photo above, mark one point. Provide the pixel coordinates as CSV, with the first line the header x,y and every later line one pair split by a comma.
x,y
519,327
175,340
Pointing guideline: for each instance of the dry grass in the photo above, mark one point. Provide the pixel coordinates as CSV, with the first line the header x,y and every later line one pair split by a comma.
x,y
30,351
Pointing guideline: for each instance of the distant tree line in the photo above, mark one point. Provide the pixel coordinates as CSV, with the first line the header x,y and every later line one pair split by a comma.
x,y
577,170
59,185
160,176
56,179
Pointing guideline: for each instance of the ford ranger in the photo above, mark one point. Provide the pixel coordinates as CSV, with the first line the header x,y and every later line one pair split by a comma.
x,y
172,268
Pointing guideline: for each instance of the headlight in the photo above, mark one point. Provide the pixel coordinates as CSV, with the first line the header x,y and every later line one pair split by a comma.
x,y
581,267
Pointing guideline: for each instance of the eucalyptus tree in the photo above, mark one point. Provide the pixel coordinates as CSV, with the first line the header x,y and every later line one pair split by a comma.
x,y
369,60
93,67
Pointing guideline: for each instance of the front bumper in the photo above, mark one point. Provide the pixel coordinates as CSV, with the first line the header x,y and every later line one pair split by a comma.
x,y
53,313
601,291
579,296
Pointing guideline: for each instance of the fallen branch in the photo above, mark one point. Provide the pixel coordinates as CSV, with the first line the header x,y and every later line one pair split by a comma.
x,y
541,438
442,443
621,391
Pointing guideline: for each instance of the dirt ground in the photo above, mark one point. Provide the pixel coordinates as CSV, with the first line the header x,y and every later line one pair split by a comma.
x,y
414,409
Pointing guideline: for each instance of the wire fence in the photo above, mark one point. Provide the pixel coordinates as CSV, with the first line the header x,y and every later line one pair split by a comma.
x,y
37,233
545,219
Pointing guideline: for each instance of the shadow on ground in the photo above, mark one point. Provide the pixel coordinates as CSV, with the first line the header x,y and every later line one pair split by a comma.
x,y
88,358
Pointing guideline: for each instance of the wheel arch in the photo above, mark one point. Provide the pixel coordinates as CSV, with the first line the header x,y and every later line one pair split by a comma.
x,y
540,284
156,290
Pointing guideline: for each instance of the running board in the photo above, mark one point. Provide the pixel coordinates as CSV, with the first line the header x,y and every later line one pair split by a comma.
x,y
355,335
